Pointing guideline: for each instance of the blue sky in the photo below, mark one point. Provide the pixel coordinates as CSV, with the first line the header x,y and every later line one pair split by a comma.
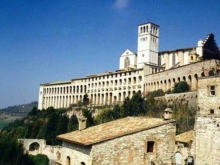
x,y
49,40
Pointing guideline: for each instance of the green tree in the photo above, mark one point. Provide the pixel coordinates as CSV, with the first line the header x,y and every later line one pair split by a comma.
x,y
73,123
180,87
138,105
62,124
126,107
40,159
51,129
85,99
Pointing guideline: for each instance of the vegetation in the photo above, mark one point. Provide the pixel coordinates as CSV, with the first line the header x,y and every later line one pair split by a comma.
x,y
181,87
12,153
47,124
138,106
19,110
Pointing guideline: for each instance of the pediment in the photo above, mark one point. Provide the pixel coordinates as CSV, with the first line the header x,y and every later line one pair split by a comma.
x,y
127,52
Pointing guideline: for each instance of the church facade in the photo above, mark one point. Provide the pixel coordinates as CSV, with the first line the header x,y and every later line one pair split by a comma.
x,y
142,72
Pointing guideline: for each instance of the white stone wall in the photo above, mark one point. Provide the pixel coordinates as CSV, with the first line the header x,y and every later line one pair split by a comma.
x,y
109,88
132,59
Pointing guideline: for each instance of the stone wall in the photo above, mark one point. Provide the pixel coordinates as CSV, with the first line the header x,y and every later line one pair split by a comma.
x,y
207,101
132,149
207,145
77,154
190,73
188,98
52,152
207,126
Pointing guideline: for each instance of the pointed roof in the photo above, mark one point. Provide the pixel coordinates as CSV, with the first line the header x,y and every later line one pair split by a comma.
x,y
127,52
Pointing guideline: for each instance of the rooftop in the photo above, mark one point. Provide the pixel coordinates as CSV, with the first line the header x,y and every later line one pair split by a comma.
x,y
185,137
111,130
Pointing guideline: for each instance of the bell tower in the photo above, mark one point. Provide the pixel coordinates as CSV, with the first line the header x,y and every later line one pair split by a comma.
x,y
148,43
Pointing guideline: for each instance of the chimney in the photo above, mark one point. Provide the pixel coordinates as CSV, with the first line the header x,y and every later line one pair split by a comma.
x,y
81,121
168,114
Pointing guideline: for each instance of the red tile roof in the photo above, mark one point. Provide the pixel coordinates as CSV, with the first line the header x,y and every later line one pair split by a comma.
x,y
111,130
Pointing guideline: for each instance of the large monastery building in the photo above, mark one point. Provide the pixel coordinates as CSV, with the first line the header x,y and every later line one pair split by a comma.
x,y
143,71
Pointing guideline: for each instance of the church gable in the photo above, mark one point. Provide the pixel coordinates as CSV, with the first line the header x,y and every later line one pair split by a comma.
x,y
128,59
127,52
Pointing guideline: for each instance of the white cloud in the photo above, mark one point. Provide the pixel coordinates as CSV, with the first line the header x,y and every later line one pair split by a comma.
x,y
120,4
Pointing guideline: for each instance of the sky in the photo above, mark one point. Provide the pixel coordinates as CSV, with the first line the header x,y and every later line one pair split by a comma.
x,y
52,40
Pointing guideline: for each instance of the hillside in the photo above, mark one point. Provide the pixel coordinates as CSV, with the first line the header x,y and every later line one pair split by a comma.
x,y
18,110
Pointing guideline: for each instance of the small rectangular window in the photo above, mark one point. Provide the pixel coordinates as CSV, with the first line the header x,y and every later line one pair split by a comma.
x,y
212,111
150,146
212,90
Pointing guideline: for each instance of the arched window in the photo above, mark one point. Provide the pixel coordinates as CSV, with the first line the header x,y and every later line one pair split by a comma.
x,y
68,160
127,62
34,146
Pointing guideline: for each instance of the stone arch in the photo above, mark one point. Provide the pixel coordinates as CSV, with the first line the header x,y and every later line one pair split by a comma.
x,y
184,78
139,79
190,80
34,146
134,80
68,160
196,80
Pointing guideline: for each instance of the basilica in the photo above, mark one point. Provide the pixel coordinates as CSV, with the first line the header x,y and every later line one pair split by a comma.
x,y
143,71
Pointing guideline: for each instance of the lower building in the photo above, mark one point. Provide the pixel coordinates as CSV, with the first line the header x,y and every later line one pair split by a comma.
x,y
131,140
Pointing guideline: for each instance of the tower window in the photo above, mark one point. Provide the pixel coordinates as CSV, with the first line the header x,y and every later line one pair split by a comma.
x,y
142,55
212,111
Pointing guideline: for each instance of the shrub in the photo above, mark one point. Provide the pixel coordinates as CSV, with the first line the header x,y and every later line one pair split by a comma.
x,y
180,87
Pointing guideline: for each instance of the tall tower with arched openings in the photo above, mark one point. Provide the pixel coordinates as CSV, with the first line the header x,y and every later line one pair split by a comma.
x,y
148,42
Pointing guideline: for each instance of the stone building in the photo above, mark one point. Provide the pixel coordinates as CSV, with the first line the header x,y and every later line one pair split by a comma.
x,y
144,71
184,148
131,140
207,126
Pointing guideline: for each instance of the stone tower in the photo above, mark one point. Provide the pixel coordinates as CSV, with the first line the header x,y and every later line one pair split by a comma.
x,y
148,41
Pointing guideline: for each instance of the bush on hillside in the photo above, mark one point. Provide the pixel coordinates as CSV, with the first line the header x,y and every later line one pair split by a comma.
x,y
181,87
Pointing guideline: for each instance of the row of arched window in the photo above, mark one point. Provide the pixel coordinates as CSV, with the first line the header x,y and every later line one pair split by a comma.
x,y
169,83
148,28
96,98
83,88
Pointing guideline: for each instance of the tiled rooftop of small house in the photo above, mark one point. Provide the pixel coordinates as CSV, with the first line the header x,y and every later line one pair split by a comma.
x,y
111,130
185,137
